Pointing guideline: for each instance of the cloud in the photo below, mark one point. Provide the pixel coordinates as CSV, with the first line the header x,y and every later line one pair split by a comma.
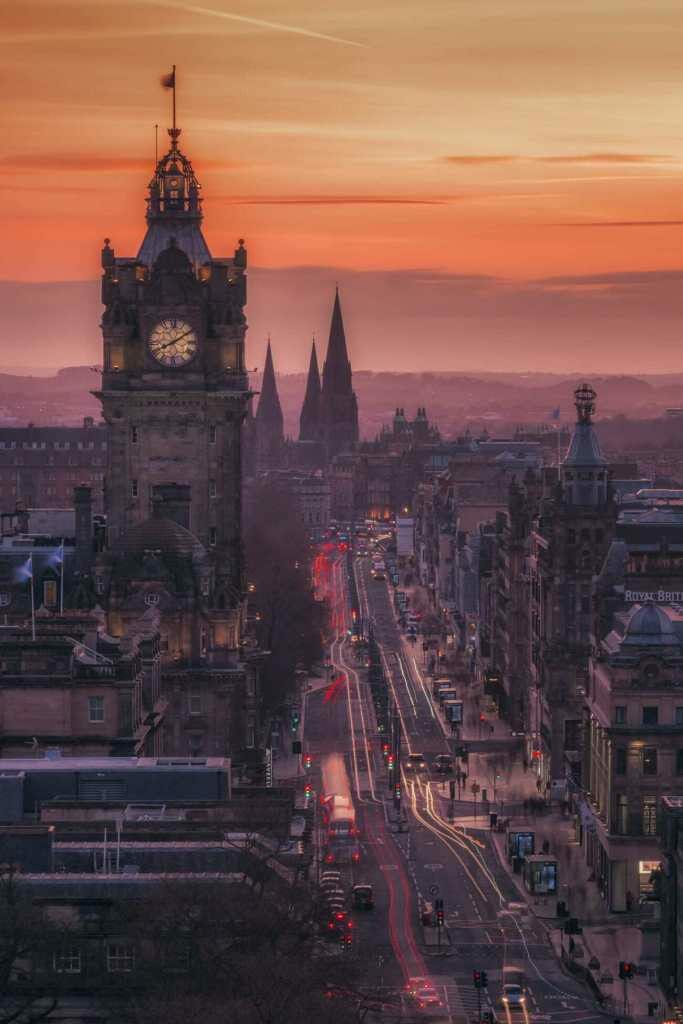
x,y
474,159
275,26
620,224
331,200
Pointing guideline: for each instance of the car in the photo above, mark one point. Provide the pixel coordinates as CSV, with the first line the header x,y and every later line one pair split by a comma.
x,y
415,763
513,995
413,985
335,895
426,996
378,576
443,764
363,898
330,876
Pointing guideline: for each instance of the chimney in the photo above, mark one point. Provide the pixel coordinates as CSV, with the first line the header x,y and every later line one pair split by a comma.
x,y
172,501
84,527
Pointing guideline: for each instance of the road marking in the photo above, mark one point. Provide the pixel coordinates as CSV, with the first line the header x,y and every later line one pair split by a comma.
x,y
433,867
388,867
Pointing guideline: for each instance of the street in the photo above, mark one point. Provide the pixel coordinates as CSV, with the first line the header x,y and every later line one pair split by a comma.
x,y
486,925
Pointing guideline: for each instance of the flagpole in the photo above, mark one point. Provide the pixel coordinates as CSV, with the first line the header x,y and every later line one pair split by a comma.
x,y
61,581
33,603
173,101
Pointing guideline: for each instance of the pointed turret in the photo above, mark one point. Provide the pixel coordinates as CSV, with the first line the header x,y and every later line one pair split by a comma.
x,y
269,420
309,420
338,401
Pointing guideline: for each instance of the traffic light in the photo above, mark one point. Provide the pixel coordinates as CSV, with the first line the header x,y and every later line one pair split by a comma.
x,y
484,979
476,978
627,970
397,791
308,790
390,762
385,749
438,907
296,718
308,762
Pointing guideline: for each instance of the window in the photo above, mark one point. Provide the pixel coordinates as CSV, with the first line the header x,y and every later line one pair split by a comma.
x,y
133,435
50,593
679,716
95,709
151,599
620,715
622,815
212,434
649,761
212,536
212,488
679,761
650,816
571,536
68,962
620,758
134,489
650,715
195,702
120,959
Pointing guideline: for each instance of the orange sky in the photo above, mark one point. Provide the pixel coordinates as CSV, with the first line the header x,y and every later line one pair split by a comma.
x,y
516,139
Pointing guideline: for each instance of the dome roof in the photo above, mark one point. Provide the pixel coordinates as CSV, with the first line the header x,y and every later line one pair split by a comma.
x,y
165,536
584,448
650,626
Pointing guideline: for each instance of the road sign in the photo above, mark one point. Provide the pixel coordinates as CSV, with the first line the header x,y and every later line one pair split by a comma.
x,y
433,890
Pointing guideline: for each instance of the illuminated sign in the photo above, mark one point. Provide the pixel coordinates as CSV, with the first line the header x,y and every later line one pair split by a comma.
x,y
658,596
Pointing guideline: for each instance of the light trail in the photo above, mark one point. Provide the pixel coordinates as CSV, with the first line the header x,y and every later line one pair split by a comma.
x,y
420,680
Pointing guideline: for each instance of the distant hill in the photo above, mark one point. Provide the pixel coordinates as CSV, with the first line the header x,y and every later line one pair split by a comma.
x,y
495,402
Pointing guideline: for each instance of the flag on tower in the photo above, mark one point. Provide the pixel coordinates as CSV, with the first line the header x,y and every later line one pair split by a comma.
x,y
168,81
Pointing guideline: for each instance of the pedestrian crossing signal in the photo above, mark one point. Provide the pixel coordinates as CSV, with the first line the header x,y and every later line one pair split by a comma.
x,y
627,970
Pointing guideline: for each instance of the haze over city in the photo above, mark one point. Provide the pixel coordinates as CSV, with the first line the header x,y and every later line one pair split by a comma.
x,y
499,187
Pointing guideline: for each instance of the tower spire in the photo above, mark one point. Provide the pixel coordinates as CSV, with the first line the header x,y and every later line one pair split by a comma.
x,y
269,420
309,420
337,368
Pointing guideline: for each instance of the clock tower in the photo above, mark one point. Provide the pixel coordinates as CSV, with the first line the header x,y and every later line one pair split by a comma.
x,y
174,389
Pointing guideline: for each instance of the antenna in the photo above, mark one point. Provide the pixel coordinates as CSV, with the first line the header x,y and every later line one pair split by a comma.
x,y
156,143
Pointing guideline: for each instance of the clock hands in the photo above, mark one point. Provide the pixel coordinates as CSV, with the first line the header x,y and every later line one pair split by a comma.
x,y
175,341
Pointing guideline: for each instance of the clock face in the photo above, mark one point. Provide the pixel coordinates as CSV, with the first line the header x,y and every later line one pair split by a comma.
x,y
173,342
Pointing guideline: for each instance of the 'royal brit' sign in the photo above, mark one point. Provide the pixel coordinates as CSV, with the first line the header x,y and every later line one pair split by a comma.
x,y
658,596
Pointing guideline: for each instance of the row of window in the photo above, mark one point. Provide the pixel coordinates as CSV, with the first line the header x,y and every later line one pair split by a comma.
x,y
649,715
135,434
120,960
62,446
648,761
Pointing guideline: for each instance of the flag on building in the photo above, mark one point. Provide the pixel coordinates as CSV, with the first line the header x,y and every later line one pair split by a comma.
x,y
57,557
25,571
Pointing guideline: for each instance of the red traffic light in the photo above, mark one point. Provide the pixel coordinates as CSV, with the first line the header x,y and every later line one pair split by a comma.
x,y
536,754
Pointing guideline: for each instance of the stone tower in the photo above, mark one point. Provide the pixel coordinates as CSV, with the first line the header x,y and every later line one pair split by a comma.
x,y
339,406
174,389
309,420
268,424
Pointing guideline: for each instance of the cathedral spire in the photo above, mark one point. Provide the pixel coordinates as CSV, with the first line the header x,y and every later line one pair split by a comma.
x,y
337,368
269,408
309,420
339,407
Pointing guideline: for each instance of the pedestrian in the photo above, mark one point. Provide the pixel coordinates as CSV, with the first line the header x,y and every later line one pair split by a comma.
x,y
539,785
491,729
629,901
525,765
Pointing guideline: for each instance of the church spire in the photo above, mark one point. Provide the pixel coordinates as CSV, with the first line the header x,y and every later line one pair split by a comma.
x,y
338,405
337,368
309,420
268,423
269,408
